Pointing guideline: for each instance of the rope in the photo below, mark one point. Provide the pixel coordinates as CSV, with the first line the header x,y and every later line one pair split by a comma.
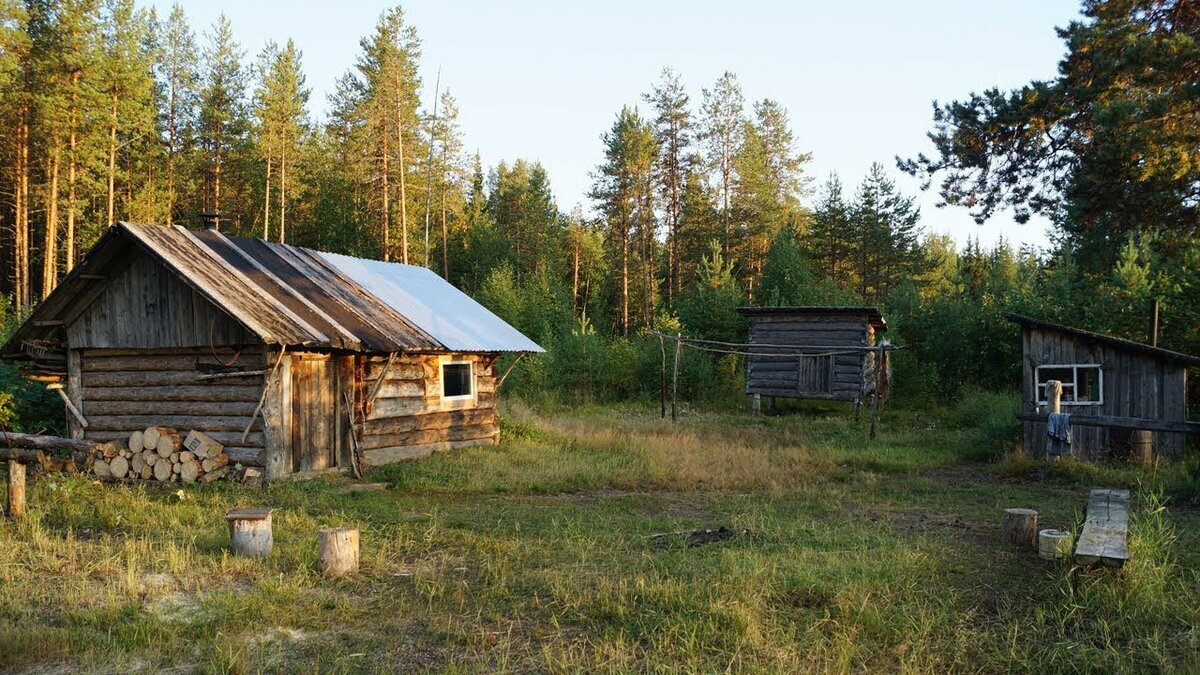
x,y
698,344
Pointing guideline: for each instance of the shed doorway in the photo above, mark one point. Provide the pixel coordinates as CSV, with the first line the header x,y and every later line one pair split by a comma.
x,y
314,412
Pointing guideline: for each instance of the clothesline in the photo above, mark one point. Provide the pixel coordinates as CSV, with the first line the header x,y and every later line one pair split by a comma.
x,y
838,350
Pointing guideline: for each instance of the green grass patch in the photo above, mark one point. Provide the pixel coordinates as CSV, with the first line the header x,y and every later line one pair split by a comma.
x,y
541,553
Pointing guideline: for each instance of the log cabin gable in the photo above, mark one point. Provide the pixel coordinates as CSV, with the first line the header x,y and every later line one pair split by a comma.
x,y
147,305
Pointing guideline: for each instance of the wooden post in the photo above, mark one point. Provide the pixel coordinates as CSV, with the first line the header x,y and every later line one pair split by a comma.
x,y
1019,527
1053,396
1141,445
16,489
1053,405
662,379
675,375
75,391
250,532
756,404
337,551
875,395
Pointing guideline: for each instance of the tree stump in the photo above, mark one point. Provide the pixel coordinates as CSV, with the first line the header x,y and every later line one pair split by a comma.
x,y
1019,527
337,551
16,489
250,532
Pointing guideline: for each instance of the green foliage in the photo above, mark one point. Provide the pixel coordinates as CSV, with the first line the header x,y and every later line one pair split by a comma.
x,y
708,309
1107,149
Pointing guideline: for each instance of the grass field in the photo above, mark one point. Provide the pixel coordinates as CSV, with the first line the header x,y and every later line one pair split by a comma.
x,y
539,554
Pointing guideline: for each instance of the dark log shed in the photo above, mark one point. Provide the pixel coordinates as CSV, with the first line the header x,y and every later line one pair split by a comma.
x,y
1120,382
198,330
814,352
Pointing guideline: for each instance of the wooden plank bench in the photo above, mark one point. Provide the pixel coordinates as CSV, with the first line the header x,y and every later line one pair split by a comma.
x,y
1105,530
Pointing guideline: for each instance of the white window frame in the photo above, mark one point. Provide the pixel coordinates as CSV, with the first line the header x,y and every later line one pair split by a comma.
x,y
1074,368
470,379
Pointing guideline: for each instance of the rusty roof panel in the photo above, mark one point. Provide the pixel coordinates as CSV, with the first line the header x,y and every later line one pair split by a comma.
x,y
290,295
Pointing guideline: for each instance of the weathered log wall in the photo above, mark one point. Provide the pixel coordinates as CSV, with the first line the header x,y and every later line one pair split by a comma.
x,y
1135,385
409,419
838,376
124,390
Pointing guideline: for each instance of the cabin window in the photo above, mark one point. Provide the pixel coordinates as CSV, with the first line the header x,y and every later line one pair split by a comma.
x,y
1082,383
457,380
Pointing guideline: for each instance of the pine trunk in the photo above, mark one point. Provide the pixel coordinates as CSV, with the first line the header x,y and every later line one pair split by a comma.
x,y
625,278
112,162
217,177
71,176
386,205
403,192
50,243
267,200
282,195
23,292
445,238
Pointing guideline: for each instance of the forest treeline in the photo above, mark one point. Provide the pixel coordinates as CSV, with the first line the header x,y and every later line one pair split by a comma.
x,y
111,112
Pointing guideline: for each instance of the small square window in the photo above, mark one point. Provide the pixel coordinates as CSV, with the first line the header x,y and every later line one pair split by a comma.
x,y
456,380
1082,384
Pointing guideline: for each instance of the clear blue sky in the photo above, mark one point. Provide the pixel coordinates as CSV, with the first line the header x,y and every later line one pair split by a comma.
x,y
543,80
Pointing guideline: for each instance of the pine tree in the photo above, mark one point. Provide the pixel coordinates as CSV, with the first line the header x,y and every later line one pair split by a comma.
x,y
282,119
222,115
126,82
16,100
887,246
178,75
722,127
451,172
624,187
389,87
830,239
673,132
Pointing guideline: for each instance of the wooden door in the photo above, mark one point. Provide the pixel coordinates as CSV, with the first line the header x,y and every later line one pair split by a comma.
x,y
314,412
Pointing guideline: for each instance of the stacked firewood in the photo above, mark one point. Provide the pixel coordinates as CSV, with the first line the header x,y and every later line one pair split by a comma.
x,y
162,454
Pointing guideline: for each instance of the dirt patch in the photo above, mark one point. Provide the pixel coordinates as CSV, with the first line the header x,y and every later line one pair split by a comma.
x,y
699,537
962,474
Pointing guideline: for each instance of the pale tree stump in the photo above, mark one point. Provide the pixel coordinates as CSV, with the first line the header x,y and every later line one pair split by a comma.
x,y
1019,527
250,532
16,490
337,551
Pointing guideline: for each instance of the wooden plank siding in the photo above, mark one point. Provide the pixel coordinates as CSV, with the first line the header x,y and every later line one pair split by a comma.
x,y
1136,384
409,418
147,306
835,377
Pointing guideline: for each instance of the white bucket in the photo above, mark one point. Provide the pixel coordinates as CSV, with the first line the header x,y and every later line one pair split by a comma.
x,y
1054,544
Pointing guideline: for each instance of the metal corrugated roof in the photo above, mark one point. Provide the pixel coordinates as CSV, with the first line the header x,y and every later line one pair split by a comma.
x,y
291,295
450,316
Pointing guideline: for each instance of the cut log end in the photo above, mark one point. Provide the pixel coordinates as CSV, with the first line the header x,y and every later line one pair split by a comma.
x,y
337,551
1019,527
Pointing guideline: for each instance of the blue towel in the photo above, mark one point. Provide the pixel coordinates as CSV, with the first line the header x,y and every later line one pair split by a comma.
x,y
1058,428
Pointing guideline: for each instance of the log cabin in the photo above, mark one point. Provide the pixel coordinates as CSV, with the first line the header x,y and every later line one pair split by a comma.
x,y
1124,397
815,352
296,360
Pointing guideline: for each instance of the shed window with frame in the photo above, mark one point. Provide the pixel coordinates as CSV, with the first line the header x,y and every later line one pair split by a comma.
x,y
457,381
1082,383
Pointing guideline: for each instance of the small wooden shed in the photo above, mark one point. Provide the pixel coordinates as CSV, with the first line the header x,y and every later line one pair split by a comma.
x,y
294,359
1111,387
815,352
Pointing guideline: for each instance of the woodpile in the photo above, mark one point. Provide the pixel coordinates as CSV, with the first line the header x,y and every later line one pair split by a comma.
x,y
161,454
